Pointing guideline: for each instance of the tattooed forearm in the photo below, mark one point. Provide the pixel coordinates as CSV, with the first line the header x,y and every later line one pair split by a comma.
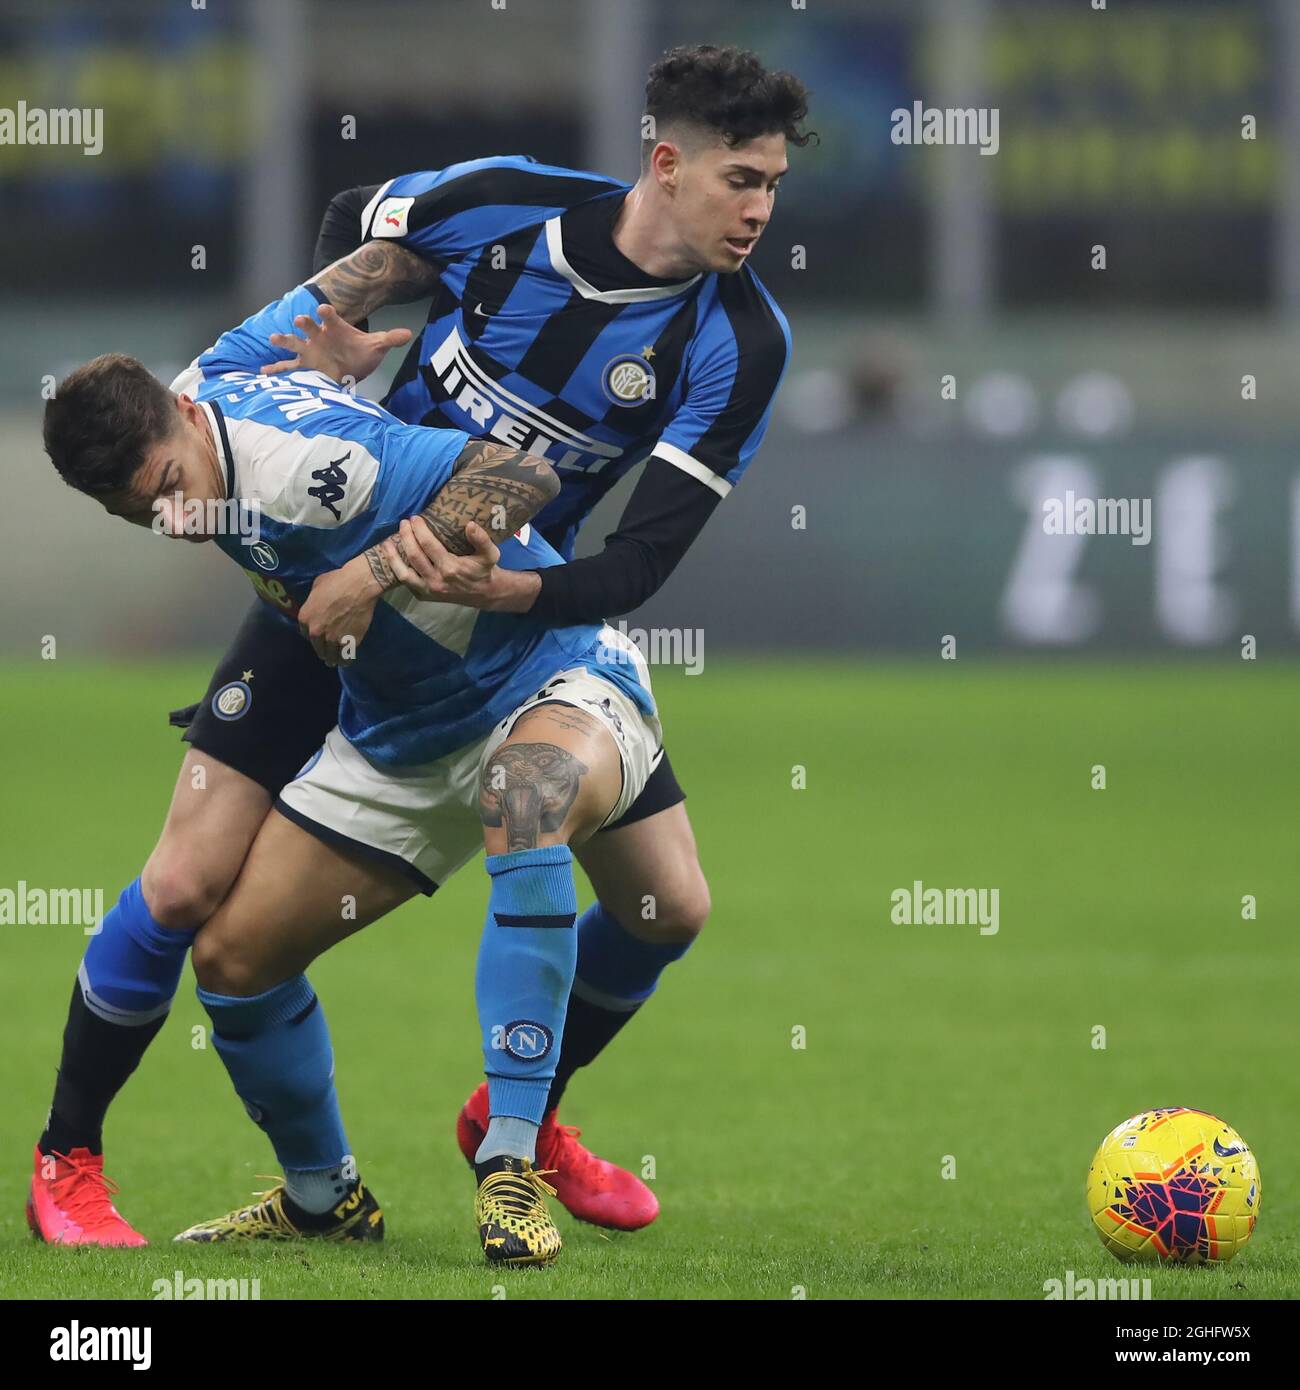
x,y
381,569
528,788
494,485
378,273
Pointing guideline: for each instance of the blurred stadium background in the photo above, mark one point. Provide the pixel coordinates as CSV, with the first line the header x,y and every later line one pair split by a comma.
x,y
227,128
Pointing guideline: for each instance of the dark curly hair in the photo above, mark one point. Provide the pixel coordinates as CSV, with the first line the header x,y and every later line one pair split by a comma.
x,y
725,90
102,421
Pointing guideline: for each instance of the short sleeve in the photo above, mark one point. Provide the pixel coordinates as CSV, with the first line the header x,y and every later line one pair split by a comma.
x,y
418,461
246,348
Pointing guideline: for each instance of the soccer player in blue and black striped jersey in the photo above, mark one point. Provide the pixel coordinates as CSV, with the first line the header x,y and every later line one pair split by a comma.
x,y
596,325
599,325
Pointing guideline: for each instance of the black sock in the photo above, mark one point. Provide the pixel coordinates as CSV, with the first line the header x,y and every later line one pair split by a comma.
x,y
588,1030
97,1059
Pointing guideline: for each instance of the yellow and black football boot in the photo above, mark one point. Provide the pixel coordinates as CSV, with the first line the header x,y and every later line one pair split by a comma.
x,y
358,1217
513,1222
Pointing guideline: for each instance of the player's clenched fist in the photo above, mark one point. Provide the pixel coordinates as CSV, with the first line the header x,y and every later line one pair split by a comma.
x,y
337,614
421,562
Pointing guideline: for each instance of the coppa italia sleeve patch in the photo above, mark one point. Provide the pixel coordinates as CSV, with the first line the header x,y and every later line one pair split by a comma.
x,y
391,217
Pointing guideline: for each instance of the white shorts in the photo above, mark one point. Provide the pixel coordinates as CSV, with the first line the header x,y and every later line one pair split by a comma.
x,y
424,820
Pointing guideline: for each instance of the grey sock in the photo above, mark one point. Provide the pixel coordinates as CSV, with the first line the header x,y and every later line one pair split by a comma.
x,y
509,1135
315,1190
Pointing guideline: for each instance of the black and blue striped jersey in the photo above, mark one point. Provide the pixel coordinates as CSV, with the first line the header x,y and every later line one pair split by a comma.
x,y
429,677
542,335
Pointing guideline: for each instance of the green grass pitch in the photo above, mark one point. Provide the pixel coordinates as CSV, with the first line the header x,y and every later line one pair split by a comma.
x,y
779,1168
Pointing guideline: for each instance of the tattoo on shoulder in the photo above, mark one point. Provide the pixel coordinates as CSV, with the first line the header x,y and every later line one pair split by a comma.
x,y
375,274
528,788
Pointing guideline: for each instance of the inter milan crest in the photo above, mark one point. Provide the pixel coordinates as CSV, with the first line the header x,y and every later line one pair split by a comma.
x,y
628,379
232,700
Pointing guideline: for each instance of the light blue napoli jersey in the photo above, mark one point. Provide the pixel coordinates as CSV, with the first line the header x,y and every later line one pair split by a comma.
x,y
325,475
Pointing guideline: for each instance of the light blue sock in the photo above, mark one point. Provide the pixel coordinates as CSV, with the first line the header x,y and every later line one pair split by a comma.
x,y
525,971
508,1135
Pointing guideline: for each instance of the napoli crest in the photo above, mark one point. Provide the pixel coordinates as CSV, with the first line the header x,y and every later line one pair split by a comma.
x,y
264,556
528,1041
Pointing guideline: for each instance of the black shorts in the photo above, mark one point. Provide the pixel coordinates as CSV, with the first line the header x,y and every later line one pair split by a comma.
x,y
271,701
269,704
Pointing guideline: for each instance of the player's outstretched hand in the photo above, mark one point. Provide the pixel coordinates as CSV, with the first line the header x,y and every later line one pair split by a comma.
x,y
333,346
338,611
421,562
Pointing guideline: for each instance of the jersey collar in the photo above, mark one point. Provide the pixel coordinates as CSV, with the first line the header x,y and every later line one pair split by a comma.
x,y
218,423
560,264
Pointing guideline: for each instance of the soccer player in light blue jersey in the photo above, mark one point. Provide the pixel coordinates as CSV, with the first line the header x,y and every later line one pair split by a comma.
x,y
574,318
456,730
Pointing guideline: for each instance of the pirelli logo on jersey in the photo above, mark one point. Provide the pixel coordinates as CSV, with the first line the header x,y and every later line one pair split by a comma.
x,y
500,414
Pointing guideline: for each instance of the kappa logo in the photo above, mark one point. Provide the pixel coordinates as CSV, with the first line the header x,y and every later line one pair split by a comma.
x,y
604,707
332,480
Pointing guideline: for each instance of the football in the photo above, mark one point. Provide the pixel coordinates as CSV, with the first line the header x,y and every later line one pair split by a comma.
x,y
1174,1185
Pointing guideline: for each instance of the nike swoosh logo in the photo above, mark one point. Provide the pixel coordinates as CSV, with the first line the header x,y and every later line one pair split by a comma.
x,y
1228,1153
481,311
